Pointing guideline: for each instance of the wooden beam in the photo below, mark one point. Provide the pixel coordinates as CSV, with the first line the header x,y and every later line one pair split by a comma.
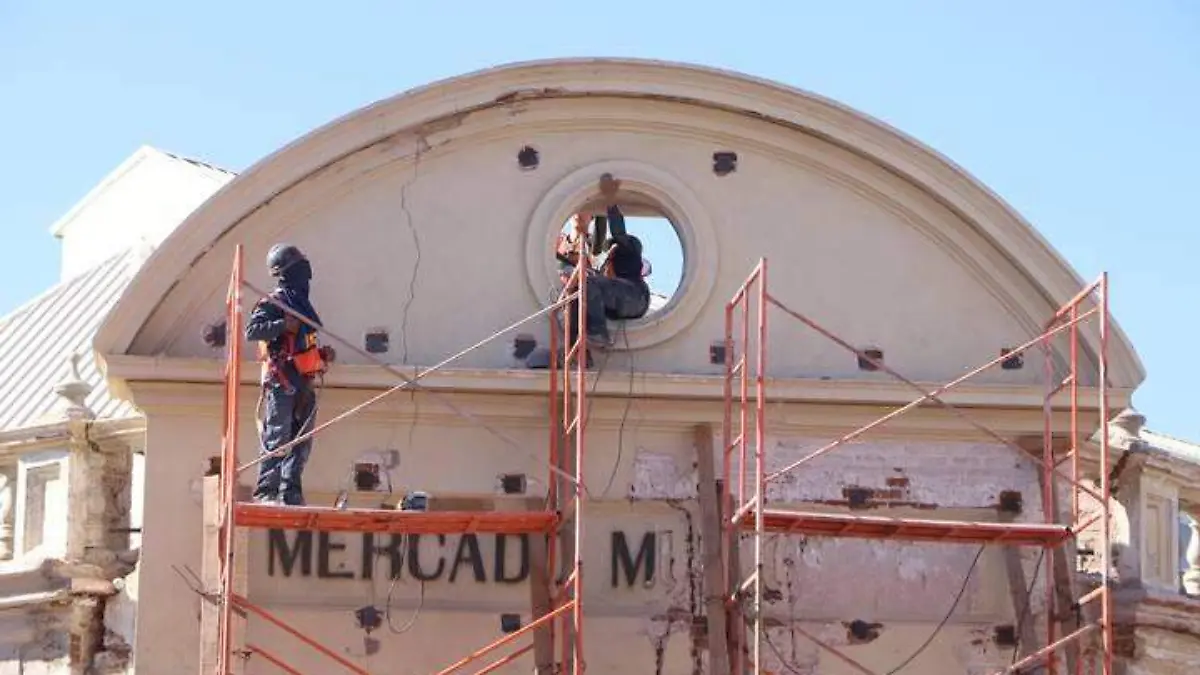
x,y
210,575
1061,570
1020,594
710,539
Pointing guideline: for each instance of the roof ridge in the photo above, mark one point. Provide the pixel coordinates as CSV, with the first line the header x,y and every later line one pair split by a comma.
x,y
197,162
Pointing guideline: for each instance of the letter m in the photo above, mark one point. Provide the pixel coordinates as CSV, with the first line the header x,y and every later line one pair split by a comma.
x,y
277,545
622,561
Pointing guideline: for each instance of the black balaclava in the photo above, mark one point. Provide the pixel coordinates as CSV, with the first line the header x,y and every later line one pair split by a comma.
x,y
294,284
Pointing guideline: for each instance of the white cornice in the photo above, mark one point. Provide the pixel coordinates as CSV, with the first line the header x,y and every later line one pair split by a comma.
x,y
26,439
644,385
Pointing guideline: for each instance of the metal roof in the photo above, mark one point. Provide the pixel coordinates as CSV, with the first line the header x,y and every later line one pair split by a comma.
x,y
39,338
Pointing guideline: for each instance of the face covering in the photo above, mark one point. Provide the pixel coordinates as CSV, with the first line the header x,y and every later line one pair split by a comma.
x,y
294,285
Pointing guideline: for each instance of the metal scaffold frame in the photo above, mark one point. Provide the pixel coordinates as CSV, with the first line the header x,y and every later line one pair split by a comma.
x,y
744,496
564,500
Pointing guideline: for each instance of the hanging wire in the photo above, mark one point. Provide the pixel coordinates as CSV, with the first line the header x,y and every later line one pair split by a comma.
x,y
946,619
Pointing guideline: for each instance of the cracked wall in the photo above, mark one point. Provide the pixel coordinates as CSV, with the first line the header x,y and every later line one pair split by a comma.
x,y
892,594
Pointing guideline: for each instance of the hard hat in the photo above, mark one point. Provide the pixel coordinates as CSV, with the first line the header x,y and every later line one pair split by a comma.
x,y
281,257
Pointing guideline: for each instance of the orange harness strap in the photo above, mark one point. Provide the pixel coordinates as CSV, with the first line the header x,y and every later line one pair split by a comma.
x,y
307,358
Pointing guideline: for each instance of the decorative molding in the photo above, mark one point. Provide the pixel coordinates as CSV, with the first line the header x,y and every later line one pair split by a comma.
x,y
681,206
15,442
454,99
1148,608
147,369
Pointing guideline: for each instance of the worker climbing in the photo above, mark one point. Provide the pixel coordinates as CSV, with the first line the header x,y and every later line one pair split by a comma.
x,y
621,292
291,360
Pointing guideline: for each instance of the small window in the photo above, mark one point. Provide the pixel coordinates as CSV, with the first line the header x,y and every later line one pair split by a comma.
x,y
662,248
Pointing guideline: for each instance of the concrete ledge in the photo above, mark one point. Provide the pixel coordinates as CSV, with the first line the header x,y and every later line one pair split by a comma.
x,y
125,369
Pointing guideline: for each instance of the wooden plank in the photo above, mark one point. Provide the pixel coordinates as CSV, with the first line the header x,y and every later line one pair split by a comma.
x,y
1064,583
210,573
736,619
710,537
324,519
909,529
540,605
1018,591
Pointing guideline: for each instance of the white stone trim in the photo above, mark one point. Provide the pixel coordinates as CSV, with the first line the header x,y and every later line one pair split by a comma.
x,y
453,99
679,204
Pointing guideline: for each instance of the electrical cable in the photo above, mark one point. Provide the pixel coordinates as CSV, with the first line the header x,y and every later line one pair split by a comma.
x,y
779,655
387,608
624,416
946,619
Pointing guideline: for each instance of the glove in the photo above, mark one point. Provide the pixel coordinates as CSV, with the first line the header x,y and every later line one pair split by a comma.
x,y
328,353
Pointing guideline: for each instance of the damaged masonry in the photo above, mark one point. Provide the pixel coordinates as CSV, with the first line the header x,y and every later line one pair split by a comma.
x,y
67,598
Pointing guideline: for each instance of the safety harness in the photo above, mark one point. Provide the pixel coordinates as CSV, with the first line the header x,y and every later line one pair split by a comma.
x,y
302,349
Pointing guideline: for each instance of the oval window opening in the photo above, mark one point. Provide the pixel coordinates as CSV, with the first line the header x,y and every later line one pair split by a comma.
x,y
662,249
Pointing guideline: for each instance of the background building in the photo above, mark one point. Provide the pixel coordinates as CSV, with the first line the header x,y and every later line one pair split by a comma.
x,y
428,218
72,455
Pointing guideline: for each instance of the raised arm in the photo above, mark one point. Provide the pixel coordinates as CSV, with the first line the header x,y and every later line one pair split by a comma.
x,y
616,220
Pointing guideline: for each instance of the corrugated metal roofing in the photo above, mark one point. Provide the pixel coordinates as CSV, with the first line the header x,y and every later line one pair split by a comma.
x,y
37,340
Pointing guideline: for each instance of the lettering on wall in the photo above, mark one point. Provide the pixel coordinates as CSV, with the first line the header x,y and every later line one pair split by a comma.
x,y
431,558
629,565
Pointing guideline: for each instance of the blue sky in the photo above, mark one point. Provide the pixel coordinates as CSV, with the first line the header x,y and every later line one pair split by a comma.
x,y
1082,115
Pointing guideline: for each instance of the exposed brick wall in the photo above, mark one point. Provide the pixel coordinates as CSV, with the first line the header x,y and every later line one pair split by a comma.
x,y
828,583
928,474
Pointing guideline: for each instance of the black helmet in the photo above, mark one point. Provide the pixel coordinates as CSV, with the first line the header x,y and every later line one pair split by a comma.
x,y
281,257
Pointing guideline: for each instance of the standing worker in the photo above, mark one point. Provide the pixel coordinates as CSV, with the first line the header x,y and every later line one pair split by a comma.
x,y
291,359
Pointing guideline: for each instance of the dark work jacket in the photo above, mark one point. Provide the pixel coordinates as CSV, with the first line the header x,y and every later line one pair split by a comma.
x,y
626,258
266,324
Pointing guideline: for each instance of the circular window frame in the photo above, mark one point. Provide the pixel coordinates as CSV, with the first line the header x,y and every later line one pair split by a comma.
x,y
678,204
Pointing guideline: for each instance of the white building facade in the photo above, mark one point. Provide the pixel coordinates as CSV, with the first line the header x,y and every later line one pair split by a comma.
x,y
875,234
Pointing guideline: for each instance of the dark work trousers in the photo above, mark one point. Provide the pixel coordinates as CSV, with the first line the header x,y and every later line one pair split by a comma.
x,y
286,416
616,299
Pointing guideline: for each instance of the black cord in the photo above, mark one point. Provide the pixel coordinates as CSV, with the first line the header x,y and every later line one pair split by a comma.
x,y
920,650
387,608
779,655
946,619
624,416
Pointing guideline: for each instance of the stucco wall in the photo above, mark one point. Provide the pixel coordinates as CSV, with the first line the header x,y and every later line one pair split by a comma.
x,y
433,232
822,584
863,252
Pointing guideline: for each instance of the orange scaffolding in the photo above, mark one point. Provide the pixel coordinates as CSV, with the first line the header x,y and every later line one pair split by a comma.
x,y
564,500
744,496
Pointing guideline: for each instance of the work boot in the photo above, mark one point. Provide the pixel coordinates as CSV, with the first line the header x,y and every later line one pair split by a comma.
x,y
268,499
291,498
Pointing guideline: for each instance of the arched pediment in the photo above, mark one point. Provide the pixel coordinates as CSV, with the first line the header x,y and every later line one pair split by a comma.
x,y
419,219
